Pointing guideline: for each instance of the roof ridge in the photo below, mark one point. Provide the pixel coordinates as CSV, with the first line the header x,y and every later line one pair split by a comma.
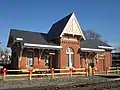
x,y
25,30
58,27
64,18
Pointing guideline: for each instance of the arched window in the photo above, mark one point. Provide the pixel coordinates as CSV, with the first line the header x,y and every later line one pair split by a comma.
x,y
69,57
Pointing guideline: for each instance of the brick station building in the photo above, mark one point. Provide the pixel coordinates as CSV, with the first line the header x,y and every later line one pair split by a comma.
x,y
64,46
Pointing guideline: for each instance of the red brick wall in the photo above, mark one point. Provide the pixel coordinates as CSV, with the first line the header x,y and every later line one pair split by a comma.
x,y
75,45
108,58
101,64
83,64
23,62
37,63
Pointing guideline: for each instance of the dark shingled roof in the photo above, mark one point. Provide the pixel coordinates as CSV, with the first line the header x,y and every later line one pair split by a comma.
x,y
54,33
58,27
29,37
94,43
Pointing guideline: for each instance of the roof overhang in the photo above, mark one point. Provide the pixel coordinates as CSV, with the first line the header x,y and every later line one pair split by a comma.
x,y
92,50
105,47
42,46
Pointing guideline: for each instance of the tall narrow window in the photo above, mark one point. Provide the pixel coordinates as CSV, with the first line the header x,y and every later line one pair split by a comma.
x,y
67,60
47,61
69,57
30,59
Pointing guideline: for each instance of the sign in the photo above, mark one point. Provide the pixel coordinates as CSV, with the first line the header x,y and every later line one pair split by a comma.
x,y
52,53
19,39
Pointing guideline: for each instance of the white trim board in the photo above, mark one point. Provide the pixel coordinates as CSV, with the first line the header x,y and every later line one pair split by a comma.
x,y
42,46
105,47
90,49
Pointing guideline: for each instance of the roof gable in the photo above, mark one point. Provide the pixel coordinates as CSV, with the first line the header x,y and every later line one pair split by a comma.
x,y
67,25
72,27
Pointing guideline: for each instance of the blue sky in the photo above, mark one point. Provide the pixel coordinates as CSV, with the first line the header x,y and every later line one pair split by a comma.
x,y
102,16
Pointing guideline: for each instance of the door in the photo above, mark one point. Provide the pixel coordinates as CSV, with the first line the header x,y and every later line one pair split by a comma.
x,y
91,62
30,59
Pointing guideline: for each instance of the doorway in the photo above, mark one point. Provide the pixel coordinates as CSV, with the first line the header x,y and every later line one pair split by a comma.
x,y
48,62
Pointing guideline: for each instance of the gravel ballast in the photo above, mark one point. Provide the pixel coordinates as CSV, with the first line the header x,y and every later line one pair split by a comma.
x,y
55,83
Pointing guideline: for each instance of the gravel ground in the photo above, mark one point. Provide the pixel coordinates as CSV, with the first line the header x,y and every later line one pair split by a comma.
x,y
112,85
52,84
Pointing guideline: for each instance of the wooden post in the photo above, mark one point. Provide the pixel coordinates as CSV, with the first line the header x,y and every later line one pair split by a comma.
x,y
86,70
4,73
52,73
90,70
30,73
106,70
50,61
93,71
117,70
71,69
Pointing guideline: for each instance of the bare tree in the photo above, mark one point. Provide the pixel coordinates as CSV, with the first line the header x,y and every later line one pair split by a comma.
x,y
6,54
1,48
118,48
90,34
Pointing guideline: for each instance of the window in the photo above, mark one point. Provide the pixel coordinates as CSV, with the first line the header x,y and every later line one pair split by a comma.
x,y
46,60
30,58
69,57
67,60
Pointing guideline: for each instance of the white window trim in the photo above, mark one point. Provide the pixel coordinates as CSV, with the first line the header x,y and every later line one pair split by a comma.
x,y
40,45
105,47
69,53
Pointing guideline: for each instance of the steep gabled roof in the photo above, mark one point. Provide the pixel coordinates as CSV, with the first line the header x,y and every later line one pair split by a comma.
x,y
29,37
67,25
58,27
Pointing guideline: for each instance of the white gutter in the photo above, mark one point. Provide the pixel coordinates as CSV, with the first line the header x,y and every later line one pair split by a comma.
x,y
105,47
90,49
42,46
